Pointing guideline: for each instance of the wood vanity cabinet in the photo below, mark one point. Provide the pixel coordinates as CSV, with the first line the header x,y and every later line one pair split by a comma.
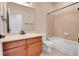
x,y
34,46
25,47
14,48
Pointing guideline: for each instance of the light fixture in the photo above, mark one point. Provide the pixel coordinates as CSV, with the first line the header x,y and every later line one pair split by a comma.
x,y
23,3
27,2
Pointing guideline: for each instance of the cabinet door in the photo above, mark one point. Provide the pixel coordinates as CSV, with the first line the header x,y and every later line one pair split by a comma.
x,y
18,51
11,45
34,49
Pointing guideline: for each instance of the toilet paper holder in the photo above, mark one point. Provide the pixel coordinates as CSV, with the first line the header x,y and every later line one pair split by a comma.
x,y
66,34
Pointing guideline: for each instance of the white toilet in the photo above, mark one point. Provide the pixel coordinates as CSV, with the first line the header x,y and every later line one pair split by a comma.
x,y
47,44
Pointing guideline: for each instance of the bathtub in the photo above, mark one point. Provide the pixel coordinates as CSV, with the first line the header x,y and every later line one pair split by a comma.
x,y
68,47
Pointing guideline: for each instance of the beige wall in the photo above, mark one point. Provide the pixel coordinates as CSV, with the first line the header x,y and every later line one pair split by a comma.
x,y
41,15
28,16
66,21
57,23
41,10
50,25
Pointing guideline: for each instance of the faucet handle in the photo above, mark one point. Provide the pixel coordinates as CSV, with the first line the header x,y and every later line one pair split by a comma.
x,y
22,32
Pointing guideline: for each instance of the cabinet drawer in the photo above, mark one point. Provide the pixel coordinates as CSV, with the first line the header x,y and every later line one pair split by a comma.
x,y
33,40
10,45
19,51
34,49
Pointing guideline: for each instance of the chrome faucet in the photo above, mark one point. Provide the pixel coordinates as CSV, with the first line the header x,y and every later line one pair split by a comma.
x,y
22,32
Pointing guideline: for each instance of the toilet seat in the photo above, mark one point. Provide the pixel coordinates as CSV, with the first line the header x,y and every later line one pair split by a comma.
x,y
48,43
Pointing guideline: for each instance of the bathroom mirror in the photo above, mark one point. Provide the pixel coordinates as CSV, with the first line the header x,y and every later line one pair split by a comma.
x,y
20,18
15,22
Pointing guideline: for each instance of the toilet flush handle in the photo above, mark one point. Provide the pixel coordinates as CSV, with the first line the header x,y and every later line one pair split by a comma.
x,y
1,36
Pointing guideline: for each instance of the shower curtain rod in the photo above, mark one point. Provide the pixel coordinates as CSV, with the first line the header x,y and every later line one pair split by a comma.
x,y
63,8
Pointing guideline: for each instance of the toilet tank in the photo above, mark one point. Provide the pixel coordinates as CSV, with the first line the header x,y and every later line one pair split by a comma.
x,y
43,37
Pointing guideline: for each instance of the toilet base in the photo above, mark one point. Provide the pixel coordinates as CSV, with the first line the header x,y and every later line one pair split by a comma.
x,y
47,49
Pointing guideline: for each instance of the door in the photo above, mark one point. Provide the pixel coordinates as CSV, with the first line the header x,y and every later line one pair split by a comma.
x,y
1,27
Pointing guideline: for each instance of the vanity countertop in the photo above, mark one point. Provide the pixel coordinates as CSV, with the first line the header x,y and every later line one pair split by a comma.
x,y
20,37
